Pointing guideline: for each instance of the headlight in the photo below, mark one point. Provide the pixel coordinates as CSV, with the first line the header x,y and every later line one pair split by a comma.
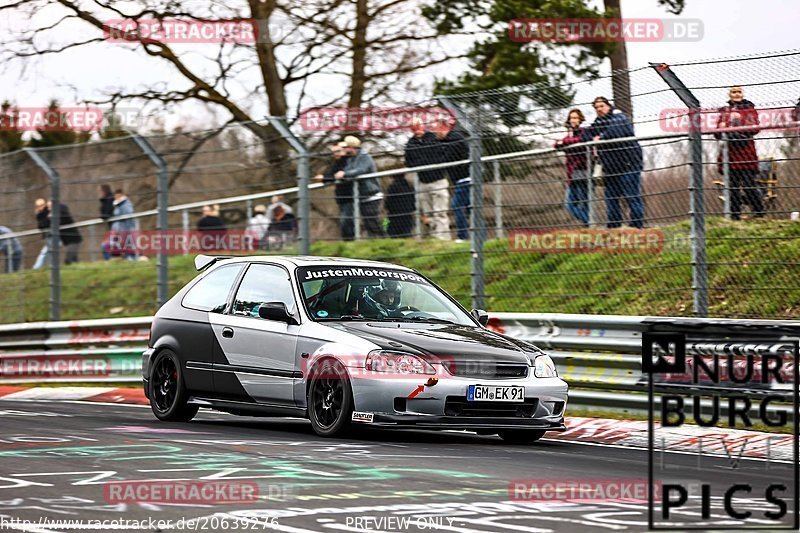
x,y
543,367
397,363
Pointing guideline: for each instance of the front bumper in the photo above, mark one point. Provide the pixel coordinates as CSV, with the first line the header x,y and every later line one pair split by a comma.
x,y
400,403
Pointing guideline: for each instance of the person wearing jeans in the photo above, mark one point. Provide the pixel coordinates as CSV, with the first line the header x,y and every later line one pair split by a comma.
x,y
369,189
454,148
343,190
577,196
622,164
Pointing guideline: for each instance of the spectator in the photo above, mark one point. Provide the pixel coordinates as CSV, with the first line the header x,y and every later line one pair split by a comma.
x,y
622,164
12,251
124,228
434,198
259,224
343,190
211,224
43,223
454,148
282,228
400,206
275,202
106,202
70,237
211,221
742,155
578,172
369,189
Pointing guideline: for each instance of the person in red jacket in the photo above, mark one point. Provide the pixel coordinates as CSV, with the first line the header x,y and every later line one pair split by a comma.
x,y
578,173
741,119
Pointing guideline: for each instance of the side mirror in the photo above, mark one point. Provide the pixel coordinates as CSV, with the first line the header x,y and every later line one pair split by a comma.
x,y
481,316
276,311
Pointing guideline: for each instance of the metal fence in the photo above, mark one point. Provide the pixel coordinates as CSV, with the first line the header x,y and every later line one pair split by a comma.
x,y
705,263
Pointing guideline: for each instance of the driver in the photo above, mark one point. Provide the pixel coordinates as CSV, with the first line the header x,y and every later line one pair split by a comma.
x,y
385,298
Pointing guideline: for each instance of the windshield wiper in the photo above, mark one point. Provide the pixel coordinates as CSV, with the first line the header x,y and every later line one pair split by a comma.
x,y
346,317
417,318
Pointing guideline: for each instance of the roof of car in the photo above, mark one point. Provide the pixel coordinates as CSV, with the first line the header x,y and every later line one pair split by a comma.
x,y
307,260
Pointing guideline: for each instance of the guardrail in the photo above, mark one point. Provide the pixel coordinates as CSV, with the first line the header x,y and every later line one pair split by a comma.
x,y
599,355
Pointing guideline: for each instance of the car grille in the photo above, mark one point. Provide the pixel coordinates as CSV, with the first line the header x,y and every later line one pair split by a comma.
x,y
459,406
486,369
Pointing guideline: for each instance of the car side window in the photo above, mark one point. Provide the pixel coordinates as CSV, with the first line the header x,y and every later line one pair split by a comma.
x,y
211,292
263,284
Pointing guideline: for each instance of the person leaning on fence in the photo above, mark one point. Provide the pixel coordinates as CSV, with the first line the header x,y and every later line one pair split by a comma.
x,y
106,202
423,148
577,166
121,230
70,237
455,148
369,189
741,115
622,164
258,225
12,251
343,190
42,223
400,207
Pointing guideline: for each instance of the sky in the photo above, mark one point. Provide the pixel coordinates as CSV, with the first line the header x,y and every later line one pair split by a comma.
x,y
730,28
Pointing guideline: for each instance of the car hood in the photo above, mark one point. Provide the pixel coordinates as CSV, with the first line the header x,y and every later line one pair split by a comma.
x,y
440,341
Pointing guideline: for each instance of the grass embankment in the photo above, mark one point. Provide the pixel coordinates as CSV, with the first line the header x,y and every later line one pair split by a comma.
x,y
744,256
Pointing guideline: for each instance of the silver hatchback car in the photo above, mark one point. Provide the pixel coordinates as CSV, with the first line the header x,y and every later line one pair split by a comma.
x,y
343,342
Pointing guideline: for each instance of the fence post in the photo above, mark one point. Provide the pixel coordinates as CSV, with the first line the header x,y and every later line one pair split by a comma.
x,y
498,201
54,246
356,211
476,221
696,200
590,203
417,208
726,176
185,227
162,219
303,178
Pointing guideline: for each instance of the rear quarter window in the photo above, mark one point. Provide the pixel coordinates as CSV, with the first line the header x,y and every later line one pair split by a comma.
x,y
211,292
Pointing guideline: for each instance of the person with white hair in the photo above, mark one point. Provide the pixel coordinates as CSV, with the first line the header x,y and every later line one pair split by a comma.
x,y
258,225
370,193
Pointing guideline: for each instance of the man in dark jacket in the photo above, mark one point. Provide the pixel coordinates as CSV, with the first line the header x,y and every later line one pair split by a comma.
x,y
343,191
455,148
622,164
423,148
400,207
742,117
70,237
106,202
42,223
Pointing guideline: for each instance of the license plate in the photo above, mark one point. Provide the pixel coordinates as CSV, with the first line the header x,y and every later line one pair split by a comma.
x,y
495,393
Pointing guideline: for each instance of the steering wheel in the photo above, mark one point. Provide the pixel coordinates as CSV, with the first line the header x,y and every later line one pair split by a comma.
x,y
408,308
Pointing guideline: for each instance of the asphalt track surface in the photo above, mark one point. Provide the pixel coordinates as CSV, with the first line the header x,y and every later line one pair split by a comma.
x,y
58,461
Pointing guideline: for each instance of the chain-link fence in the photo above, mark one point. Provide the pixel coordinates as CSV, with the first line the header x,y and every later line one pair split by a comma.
x,y
533,217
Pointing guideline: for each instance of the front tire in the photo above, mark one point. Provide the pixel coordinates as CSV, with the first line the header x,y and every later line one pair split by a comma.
x,y
521,436
168,389
330,399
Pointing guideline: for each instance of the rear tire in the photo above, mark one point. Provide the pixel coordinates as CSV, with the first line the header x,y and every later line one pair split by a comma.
x,y
521,436
168,389
330,399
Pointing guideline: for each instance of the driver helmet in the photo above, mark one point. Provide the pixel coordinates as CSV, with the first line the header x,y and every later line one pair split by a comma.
x,y
385,297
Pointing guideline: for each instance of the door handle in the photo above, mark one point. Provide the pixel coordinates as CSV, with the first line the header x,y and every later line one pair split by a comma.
x,y
227,333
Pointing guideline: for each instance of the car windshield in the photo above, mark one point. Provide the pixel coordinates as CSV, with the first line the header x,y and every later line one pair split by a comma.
x,y
335,293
